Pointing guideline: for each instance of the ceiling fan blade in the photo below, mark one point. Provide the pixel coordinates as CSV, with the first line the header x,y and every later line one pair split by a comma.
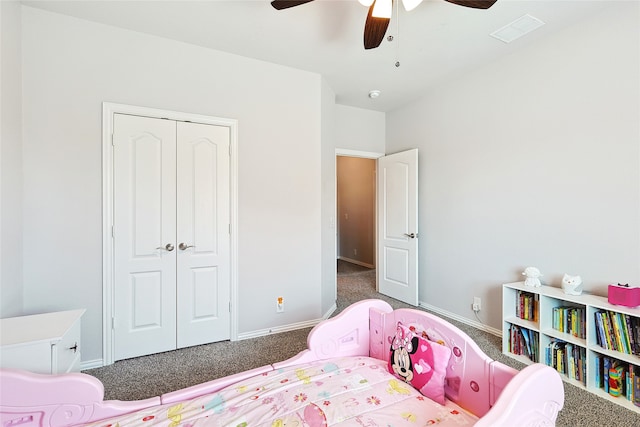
x,y
476,4
285,4
374,29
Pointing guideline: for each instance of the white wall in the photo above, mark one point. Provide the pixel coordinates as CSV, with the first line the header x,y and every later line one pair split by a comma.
x,y
70,67
359,129
344,128
531,160
11,290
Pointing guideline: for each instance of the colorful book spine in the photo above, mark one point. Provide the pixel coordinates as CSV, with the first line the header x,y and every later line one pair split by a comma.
x,y
605,373
608,331
625,333
636,386
629,328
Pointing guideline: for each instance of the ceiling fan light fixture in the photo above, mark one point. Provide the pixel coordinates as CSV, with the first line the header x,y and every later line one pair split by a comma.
x,y
366,3
410,4
382,9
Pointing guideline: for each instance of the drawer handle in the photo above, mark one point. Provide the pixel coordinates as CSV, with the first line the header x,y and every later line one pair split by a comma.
x,y
74,348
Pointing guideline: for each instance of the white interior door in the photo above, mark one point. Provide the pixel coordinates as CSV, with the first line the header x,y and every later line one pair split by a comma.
x,y
144,235
171,235
398,226
203,269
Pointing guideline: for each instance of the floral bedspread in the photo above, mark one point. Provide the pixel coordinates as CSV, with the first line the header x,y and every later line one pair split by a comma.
x,y
351,391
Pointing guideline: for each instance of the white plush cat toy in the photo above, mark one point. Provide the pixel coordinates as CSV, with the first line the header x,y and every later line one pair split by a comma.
x,y
532,275
572,285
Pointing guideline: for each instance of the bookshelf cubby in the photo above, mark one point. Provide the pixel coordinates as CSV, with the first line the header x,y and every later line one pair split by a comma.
x,y
561,331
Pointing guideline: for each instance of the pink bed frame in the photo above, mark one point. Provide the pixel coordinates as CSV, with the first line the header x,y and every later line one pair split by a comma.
x,y
498,394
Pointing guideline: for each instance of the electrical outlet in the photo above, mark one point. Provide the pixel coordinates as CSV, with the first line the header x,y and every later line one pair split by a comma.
x,y
355,252
280,305
477,304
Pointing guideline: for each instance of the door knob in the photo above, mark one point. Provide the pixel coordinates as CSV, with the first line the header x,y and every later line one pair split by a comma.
x,y
169,247
184,246
412,235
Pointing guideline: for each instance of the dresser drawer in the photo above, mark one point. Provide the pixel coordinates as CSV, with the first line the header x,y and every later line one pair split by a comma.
x,y
65,354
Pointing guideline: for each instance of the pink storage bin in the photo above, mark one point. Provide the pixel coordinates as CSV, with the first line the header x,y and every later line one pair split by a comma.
x,y
623,295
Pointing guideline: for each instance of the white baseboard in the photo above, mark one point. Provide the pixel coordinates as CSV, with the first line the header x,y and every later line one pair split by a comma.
x,y
461,319
91,364
329,312
278,329
287,328
353,261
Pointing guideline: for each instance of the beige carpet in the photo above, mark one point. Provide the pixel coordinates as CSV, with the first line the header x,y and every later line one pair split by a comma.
x,y
152,375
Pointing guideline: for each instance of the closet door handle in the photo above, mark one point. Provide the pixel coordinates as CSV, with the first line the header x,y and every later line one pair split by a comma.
x,y
169,247
412,235
184,246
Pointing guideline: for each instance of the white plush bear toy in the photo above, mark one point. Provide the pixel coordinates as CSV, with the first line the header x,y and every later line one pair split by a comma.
x,y
532,275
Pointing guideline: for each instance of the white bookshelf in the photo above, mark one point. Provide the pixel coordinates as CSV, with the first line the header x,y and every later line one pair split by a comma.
x,y
548,298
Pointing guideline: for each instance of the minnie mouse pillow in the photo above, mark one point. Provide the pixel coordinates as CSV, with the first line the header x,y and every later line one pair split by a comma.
x,y
420,362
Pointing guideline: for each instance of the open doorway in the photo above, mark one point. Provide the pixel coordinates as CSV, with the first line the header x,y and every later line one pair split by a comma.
x,y
395,220
356,215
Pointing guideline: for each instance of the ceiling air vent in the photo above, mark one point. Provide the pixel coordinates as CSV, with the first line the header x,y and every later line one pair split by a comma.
x,y
518,28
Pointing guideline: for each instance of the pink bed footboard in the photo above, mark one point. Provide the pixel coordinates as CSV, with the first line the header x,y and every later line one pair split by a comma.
x,y
29,400
498,394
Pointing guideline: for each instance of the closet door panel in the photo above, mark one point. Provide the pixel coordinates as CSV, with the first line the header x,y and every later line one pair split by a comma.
x,y
203,271
144,235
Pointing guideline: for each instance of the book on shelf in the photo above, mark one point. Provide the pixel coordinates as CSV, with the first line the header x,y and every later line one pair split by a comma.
x,y
618,378
617,331
570,320
635,397
598,371
568,359
630,334
527,305
606,364
523,342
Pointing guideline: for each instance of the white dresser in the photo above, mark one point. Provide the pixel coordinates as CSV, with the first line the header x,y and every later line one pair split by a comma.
x,y
46,343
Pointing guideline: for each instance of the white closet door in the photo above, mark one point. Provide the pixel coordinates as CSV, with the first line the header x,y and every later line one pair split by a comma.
x,y
203,244
145,233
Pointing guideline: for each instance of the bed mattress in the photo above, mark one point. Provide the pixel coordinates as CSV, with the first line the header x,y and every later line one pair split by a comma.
x,y
350,391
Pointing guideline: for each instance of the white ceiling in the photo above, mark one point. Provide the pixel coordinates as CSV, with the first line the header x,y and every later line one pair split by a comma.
x,y
434,42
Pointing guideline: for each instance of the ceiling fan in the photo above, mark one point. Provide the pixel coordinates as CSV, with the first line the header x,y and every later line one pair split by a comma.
x,y
379,14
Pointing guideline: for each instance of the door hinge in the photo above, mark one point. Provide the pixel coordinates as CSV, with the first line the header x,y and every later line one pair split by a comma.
x,y
229,228
113,323
112,143
113,232
229,306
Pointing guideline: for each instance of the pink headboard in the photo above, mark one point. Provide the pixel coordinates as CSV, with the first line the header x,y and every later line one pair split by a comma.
x,y
346,334
474,381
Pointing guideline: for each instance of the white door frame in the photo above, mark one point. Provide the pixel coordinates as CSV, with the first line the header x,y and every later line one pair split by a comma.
x,y
364,155
108,110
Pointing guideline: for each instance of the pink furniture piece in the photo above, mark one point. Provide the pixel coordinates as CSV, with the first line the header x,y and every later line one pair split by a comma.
x,y
488,392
